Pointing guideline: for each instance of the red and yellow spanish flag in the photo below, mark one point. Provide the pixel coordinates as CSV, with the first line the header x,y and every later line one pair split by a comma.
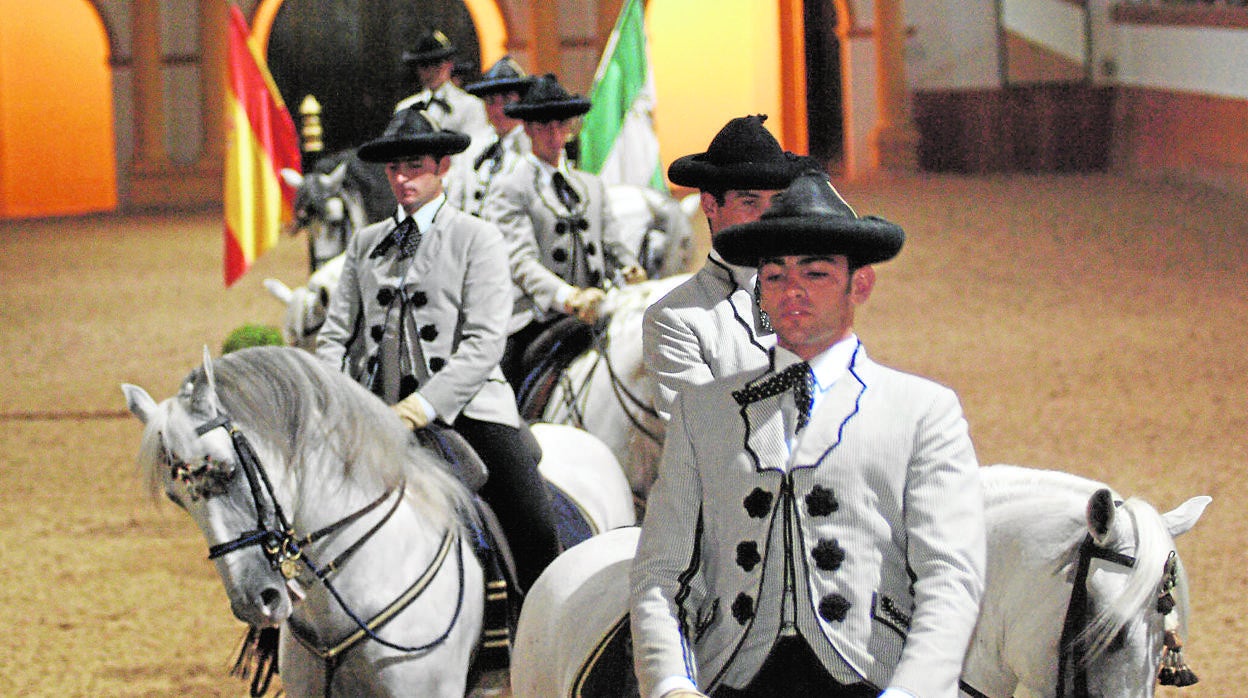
x,y
261,140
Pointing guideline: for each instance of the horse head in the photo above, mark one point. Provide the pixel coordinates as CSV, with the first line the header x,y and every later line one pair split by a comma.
x,y
191,453
1131,581
307,306
1086,595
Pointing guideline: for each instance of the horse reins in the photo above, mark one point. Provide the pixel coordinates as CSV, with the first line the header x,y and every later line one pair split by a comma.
x,y
283,551
1071,667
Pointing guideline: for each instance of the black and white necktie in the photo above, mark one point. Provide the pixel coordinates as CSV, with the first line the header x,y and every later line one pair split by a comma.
x,y
567,195
797,378
407,235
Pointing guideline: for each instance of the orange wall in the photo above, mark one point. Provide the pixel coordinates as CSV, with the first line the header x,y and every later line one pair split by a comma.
x,y
713,60
56,110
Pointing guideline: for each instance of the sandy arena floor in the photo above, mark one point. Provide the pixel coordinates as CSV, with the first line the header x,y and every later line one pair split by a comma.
x,y
1089,323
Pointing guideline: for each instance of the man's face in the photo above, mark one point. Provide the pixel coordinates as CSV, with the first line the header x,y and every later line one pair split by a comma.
x,y
494,104
418,180
811,300
432,75
740,206
548,138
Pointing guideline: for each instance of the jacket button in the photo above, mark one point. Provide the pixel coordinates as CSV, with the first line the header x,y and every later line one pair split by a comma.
x,y
834,608
747,555
408,385
559,254
385,296
420,299
428,333
821,501
758,503
591,249
743,608
436,364
828,555
377,332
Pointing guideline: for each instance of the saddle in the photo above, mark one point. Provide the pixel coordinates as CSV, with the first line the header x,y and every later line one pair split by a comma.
x,y
544,361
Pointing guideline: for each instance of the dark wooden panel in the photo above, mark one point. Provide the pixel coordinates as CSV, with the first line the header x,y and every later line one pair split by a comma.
x,y
1038,128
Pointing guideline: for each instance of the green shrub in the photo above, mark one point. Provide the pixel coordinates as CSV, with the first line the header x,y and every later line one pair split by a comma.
x,y
251,336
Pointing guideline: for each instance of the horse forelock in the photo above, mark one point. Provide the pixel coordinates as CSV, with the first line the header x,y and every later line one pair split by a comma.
x,y
1150,543
293,406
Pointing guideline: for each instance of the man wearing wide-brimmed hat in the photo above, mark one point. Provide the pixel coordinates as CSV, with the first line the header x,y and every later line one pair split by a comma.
x,y
565,245
432,60
817,525
501,85
709,326
416,318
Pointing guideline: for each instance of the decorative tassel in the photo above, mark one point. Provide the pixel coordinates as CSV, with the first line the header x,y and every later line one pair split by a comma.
x,y
1174,671
257,659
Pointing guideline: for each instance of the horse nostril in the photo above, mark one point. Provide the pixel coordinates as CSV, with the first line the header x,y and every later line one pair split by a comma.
x,y
270,598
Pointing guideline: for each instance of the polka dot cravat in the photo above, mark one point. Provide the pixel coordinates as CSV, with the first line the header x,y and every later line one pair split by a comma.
x,y
797,378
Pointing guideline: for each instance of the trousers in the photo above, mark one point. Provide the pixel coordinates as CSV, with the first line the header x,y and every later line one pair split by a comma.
x,y
792,670
516,492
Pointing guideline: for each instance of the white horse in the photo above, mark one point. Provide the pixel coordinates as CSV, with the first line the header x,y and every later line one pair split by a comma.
x,y
608,390
337,197
307,305
323,519
1063,552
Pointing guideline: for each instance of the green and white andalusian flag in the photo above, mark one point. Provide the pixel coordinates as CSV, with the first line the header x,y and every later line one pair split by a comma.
x,y
617,140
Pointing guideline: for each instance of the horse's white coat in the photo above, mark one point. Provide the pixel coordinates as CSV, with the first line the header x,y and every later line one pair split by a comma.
x,y
1036,519
330,448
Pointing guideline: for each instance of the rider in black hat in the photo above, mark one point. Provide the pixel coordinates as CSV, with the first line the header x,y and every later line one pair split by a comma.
x,y
501,85
817,523
416,318
432,61
709,326
565,244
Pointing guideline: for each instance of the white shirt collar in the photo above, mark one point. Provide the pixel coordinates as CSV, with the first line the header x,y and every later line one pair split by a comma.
x,y
828,366
425,214
547,172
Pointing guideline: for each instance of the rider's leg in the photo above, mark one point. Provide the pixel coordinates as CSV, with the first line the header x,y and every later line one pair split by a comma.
x,y
516,492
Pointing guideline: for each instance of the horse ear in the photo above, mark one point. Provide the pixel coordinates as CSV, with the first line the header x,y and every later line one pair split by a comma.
x,y
208,395
293,179
1100,515
1182,519
140,403
279,290
336,177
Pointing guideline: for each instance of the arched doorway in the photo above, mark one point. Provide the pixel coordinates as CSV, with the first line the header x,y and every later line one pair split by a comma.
x,y
348,55
54,60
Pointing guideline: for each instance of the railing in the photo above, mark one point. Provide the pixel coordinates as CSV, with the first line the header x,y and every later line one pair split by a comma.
x,y
1229,14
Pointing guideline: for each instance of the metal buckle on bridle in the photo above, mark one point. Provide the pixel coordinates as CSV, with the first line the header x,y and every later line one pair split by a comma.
x,y
278,544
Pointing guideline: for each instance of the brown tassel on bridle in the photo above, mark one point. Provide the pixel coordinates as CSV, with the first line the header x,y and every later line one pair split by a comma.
x,y
1174,671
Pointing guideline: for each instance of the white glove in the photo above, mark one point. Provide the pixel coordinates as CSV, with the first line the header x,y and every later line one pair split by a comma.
x,y
585,303
411,412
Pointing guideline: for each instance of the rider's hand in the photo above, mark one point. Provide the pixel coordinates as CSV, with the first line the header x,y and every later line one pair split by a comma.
x,y
633,274
411,412
585,303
